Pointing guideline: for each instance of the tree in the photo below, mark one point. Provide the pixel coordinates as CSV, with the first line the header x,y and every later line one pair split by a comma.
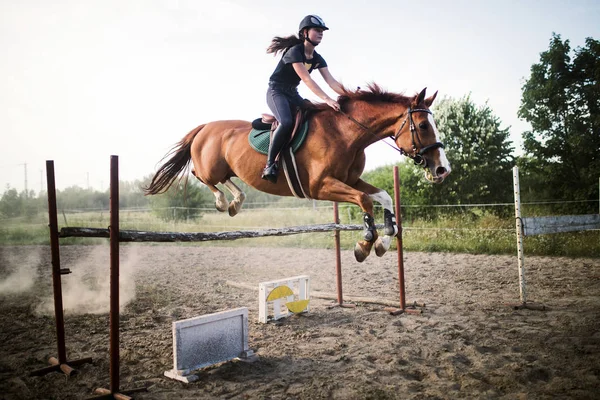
x,y
11,204
561,101
411,181
131,195
77,198
24,204
178,203
479,152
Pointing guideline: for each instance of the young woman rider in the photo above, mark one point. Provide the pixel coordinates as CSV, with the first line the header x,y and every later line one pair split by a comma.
x,y
298,61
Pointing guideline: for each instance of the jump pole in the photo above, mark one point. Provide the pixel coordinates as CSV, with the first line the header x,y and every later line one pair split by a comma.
x,y
519,228
400,253
338,262
61,364
520,252
114,392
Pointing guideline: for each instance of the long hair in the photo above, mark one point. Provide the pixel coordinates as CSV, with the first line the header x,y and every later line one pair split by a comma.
x,y
283,43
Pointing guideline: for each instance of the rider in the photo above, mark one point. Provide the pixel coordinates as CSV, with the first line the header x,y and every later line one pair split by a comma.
x,y
298,61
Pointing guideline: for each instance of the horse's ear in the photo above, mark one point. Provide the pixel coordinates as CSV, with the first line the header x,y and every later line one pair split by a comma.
x,y
429,100
420,98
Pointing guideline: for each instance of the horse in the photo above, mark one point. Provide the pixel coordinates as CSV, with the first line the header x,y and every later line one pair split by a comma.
x,y
330,162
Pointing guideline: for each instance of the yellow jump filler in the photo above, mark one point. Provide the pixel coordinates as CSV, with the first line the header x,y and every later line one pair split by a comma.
x,y
282,298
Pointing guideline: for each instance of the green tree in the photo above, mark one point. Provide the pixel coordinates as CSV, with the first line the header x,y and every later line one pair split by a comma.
x,y
77,198
479,152
24,204
11,204
412,186
181,201
561,101
131,195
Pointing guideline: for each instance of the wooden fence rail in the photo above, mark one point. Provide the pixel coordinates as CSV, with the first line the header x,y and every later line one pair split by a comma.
x,y
148,236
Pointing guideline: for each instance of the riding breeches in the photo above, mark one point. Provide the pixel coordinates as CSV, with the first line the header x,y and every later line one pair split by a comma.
x,y
283,101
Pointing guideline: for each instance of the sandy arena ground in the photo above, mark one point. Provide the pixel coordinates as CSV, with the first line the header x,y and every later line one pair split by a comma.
x,y
466,344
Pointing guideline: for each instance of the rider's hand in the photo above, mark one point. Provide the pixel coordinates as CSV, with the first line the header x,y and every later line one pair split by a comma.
x,y
333,104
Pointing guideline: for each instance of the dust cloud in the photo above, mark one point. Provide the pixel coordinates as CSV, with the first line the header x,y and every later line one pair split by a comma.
x,y
20,269
86,290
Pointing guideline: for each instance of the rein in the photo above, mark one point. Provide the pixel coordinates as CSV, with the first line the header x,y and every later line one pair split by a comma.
x,y
416,155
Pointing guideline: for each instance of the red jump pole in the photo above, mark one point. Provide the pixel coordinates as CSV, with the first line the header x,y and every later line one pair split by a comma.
x,y
114,274
338,262
338,257
399,238
400,250
114,392
61,364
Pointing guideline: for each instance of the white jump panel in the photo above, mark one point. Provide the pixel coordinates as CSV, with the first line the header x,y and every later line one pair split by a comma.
x,y
209,339
270,310
563,223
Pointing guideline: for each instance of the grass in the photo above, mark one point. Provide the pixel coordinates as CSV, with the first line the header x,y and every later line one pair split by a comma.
x,y
475,232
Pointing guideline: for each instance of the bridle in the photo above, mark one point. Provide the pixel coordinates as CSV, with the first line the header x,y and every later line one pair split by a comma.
x,y
415,155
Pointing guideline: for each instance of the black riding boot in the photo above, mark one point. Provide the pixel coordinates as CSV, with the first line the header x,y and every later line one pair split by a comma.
x,y
270,172
279,139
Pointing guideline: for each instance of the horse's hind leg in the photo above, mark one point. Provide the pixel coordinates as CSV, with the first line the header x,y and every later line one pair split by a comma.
x,y
220,200
238,197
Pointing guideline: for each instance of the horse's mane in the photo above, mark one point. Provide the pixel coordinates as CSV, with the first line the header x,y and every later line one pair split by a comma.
x,y
374,94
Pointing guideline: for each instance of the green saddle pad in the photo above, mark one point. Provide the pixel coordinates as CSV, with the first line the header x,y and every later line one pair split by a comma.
x,y
259,139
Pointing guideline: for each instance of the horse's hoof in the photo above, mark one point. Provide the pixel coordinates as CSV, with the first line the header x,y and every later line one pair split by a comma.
x,y
234,208
361,252
221,207
382,244
391,230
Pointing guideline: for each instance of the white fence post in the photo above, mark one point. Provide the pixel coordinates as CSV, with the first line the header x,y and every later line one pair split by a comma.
x,y
519,226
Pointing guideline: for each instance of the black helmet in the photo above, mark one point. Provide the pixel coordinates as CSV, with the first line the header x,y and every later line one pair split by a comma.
x,y
312,21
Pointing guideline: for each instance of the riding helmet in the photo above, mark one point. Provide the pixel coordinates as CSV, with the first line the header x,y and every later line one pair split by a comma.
x,y
312,21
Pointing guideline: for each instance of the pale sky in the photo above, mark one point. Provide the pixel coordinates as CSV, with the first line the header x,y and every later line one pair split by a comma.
x,y
83,80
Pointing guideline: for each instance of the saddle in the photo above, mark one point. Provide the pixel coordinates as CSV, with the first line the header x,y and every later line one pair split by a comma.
x,y
260,139
261,135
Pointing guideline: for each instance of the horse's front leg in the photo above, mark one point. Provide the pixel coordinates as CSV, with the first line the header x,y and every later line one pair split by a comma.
x,y
382,244
363,247
335,190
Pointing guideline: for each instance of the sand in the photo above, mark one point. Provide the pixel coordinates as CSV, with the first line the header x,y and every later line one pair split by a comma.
x,y
466,344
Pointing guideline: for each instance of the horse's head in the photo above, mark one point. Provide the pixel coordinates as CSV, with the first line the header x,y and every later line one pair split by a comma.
x,y
418,138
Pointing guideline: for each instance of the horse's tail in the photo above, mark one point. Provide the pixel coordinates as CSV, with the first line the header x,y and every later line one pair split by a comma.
x,y
180,156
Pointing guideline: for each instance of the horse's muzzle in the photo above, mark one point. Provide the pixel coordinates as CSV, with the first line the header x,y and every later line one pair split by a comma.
x,y
437,174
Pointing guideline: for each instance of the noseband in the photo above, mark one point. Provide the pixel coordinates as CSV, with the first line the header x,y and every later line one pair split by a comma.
x,y
416,155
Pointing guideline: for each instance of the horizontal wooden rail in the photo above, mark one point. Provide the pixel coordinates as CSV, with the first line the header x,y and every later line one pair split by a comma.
x,y
147,236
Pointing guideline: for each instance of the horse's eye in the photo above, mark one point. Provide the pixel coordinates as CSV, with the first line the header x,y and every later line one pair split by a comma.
x,y
423,125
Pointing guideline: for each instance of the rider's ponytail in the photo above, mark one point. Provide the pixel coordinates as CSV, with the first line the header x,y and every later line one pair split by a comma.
x,y
283,43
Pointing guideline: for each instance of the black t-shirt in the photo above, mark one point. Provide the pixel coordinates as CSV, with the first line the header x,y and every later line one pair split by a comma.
x,y
284,72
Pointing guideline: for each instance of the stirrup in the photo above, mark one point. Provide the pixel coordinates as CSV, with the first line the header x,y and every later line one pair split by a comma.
x,y
270,173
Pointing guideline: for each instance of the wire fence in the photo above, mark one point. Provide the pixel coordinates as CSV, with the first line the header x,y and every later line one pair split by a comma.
x,y
206,216
462,228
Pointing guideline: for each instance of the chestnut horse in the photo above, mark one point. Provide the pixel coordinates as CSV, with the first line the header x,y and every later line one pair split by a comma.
x,y
329,164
